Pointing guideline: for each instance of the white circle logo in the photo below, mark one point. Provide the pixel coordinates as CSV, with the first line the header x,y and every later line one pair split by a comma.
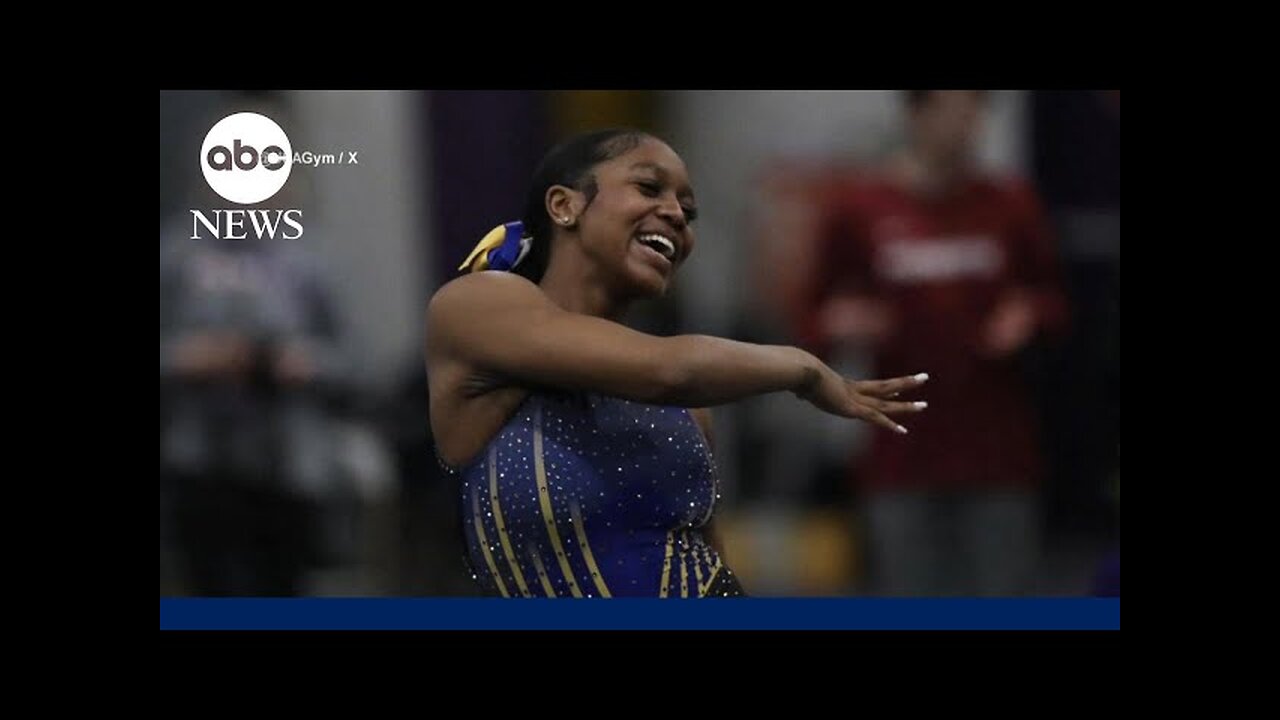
x,y
246,158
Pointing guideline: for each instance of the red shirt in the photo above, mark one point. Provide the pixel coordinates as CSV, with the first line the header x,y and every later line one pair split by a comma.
x,y
941,265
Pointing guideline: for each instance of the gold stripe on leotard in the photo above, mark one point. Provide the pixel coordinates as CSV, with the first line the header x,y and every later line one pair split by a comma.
x,y
484,541
715,569
502,526
697,565
684,575
542,572
665,586
581,530
544,502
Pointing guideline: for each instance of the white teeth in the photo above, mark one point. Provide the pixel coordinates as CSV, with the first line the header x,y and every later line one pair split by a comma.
x,y
668,248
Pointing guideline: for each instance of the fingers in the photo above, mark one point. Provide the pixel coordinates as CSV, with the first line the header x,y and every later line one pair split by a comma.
x,y
890,407
889,388
876,417
876,410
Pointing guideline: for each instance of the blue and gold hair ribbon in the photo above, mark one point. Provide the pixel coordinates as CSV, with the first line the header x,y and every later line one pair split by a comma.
x,y
502,248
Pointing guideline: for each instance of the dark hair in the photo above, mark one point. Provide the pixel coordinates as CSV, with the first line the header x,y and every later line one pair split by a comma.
x,y
915,98
568,164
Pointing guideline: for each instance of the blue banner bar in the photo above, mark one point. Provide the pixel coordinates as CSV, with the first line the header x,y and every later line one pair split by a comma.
x,y
640,614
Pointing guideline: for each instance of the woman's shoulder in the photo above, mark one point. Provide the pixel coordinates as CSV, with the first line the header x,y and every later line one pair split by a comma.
x,y
463,298
485,284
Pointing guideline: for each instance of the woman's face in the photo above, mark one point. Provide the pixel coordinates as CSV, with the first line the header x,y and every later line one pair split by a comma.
x,y
637,227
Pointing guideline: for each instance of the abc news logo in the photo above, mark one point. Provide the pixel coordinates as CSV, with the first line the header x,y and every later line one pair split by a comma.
x,y
238,171
220,158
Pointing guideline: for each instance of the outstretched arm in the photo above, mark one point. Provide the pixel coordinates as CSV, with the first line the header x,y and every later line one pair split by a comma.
x,y
502,323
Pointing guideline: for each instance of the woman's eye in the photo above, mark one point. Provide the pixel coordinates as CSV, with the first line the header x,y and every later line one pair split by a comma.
x,y
654,189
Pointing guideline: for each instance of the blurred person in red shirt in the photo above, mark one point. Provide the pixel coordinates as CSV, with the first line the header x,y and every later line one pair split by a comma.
x,y
927,262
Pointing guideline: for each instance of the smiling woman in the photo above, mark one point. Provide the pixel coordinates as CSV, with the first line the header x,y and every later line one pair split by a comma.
x,y
582,454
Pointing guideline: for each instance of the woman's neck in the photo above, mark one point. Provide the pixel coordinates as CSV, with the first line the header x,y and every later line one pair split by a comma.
x,y
573,283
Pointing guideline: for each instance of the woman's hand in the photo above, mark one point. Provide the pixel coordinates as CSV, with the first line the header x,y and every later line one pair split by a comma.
x,y
867,400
